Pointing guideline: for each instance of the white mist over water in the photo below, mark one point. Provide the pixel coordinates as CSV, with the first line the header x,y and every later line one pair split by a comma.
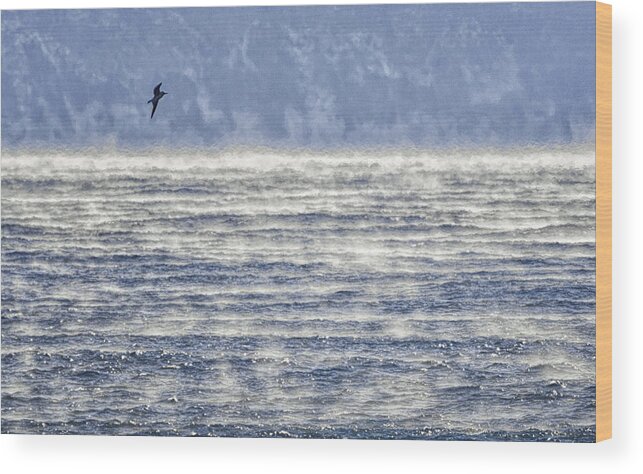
x,y
330,295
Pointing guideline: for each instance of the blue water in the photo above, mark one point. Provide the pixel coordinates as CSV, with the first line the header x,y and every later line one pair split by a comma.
x,y
265,294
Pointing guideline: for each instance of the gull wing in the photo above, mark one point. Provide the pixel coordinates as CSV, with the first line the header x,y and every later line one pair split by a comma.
x,y
157,89
154,104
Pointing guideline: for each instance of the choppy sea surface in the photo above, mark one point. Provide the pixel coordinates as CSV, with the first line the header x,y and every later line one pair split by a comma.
x,y
266,294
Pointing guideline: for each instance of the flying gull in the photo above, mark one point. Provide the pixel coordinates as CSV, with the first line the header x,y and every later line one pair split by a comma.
x,y
157,96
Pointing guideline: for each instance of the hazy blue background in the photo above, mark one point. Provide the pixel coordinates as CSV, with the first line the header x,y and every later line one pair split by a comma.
x,y
432,75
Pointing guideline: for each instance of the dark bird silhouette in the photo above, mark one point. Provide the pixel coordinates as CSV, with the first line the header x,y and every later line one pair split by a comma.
x,y
158,94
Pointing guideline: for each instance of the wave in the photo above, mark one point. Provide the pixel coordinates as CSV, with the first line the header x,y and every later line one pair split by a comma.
x,y
369,296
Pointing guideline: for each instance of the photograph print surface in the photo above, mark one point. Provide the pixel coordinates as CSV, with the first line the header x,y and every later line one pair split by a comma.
x,y
368,222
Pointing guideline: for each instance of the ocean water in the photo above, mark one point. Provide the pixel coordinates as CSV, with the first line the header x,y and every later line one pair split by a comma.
x,y
383,295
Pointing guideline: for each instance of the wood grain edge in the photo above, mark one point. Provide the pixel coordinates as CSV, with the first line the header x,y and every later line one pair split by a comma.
x,y
603,221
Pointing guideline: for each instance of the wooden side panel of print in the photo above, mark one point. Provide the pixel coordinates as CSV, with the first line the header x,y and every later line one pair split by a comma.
x,y
603,221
